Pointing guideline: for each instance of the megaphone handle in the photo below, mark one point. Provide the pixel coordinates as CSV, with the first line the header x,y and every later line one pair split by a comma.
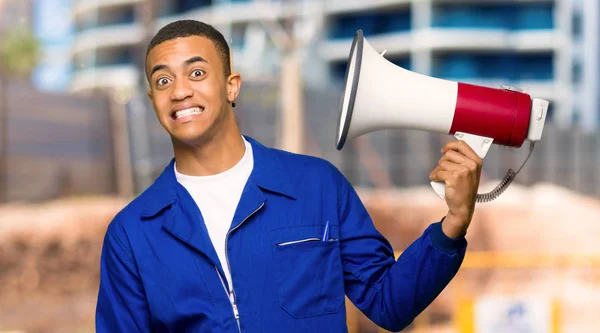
x,y
479,144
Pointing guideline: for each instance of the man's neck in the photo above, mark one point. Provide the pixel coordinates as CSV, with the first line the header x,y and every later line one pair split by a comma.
x,y
212,157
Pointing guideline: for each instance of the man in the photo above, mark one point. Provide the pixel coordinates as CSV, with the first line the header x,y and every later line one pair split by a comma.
x,y
237,237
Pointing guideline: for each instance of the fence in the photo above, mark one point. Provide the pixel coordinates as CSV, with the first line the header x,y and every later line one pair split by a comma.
x,y
54,143
566,157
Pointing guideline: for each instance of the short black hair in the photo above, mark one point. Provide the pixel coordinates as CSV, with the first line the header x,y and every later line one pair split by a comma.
x,y
187,28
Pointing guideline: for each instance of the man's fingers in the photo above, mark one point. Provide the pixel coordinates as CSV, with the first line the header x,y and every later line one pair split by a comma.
x,y
463,148
450,166
447,166
454,157
439,175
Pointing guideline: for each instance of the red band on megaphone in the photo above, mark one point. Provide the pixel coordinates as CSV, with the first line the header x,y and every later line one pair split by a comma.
x,y
494,113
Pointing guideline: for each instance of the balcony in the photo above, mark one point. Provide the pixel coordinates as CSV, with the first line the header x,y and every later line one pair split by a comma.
x,y
345,6
83,7
108,36
395,44
225,13
457,39
113,77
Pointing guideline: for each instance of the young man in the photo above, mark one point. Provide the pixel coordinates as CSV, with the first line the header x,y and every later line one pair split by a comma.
x,y
234,236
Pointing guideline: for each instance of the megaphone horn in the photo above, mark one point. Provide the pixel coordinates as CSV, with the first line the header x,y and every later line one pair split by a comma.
x,y
381,95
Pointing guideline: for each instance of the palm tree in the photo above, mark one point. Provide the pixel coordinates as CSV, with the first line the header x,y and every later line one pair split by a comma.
x,y
20,52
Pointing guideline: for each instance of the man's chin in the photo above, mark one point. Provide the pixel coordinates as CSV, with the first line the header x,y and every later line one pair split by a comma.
x,y
190,140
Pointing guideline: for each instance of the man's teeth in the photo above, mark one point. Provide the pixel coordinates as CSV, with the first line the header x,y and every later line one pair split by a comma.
x,y
188,112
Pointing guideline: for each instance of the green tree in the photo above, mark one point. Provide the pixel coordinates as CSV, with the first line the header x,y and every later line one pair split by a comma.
x,y
20,52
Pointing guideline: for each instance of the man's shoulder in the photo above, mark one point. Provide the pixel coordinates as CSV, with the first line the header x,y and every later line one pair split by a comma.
x,y
303,161
302,166
132,213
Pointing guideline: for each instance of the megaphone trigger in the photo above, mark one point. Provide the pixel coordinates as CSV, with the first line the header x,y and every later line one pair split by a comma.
x,y
479,144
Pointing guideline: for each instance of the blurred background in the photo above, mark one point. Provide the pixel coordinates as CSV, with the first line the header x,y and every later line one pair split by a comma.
x,y
78,140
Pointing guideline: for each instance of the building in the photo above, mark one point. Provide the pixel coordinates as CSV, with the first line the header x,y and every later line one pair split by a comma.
x,y
586,58
526,44
14,14
103,52
55,69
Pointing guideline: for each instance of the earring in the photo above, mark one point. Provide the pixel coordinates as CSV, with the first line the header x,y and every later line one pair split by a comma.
x,y
233,104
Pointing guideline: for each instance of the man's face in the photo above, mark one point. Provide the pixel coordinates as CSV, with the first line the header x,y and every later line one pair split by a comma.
x,y
188,89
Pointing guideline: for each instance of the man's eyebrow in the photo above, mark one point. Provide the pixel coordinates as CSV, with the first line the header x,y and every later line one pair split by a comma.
x,y
157,68
195,59
187,62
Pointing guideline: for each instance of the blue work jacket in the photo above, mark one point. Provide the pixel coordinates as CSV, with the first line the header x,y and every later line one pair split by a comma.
x,y
160,271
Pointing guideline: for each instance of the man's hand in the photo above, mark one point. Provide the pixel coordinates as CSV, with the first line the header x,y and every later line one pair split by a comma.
x,y
460,170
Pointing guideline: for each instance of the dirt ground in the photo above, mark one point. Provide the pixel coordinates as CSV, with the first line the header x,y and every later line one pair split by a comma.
x,y
49,254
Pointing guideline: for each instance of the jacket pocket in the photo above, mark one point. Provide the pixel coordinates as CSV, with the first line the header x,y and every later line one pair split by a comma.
x,y
314,239
308,272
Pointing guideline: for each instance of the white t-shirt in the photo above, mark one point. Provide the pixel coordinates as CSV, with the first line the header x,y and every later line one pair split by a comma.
x,y
218,196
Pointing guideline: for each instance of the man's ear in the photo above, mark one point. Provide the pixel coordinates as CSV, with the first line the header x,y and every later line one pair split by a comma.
x,y
234,82
150,95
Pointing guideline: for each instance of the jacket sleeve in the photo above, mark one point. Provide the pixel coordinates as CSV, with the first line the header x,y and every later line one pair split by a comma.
x,y
122,305
392,293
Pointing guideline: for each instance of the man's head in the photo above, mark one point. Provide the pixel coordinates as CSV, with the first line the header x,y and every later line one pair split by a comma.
x,y
191,86
187,28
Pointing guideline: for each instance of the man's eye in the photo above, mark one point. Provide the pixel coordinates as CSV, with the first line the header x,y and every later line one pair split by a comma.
x,y
162,81
197,73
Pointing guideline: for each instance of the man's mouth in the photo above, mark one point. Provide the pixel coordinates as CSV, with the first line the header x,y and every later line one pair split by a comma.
x,y
187,113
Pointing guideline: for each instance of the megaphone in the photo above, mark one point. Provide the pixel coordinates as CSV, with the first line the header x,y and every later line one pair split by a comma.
x,y
381,95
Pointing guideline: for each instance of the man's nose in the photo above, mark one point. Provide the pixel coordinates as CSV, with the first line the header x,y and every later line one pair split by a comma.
x,y
181,90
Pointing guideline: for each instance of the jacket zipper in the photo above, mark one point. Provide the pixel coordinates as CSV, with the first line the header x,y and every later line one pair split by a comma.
x,y
232,294
232,301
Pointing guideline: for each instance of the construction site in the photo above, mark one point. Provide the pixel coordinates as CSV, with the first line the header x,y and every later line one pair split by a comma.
x,y
71,160
532,257
534,249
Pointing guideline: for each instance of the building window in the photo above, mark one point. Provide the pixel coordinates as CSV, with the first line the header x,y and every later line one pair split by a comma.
x,y
508,16
238,34
338,68
576,116
534,16
577,25
121,15
371,23
182,6
115,56
470,16
576,72
107,17
550,113
494,66
535,66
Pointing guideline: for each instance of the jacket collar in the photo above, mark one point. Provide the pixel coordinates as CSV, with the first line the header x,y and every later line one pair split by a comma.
x,y
268,173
